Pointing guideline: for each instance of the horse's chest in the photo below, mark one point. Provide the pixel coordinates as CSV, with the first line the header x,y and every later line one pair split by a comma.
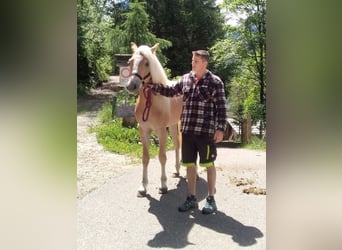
x,y
156,111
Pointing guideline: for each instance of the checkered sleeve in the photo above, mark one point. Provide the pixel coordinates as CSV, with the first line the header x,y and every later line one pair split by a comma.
x,y
220,106
168,91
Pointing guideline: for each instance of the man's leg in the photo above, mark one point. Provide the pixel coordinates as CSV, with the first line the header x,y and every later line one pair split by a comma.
x,y
208,155
211,178
189,157
191,201
191,174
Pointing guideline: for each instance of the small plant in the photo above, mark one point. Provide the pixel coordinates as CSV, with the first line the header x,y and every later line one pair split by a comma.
x,y
105,114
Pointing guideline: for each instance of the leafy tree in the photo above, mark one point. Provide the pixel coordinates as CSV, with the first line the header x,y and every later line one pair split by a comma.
x,y
189,25
239,92
135,28
94,62
104,29
251,48
226,61
115,9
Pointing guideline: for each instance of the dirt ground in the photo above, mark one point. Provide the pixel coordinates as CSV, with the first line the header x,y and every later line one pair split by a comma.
x,y
95,166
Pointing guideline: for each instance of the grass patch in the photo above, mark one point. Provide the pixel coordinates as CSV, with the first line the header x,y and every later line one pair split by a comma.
x,y
256,144
121,140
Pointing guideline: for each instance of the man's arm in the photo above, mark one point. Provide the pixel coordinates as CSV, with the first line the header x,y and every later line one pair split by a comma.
x,y
220,104
168,91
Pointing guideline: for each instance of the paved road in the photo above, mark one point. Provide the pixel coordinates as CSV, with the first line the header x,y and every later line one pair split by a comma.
x,y
112,217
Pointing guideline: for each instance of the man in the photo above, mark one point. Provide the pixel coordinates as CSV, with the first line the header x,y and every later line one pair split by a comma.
x,y
203,122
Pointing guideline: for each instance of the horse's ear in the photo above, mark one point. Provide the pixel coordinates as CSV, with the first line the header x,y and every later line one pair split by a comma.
x,y
133,46
154,48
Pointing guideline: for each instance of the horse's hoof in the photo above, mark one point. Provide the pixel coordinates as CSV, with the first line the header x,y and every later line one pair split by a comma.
x,y
141,193
162,190
175,175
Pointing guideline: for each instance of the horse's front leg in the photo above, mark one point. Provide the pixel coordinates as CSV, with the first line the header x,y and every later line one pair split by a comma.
x,y
145,140
162,135
177,140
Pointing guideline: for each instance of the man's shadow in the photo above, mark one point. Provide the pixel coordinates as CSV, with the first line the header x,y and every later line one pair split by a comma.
x,y
177,225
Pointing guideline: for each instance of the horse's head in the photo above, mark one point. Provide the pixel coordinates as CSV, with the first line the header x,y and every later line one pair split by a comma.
x,y
139,67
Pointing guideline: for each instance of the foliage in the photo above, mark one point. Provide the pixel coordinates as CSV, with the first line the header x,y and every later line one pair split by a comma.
x,y
133,26
238,93
93,53
136,29
225,60
249,40
252,105
106,28
118,139
201,26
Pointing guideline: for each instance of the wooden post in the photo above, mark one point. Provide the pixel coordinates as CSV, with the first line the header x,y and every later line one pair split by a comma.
x,y
114,105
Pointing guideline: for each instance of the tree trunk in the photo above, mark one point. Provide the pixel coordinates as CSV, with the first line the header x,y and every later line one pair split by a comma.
x,y
246,133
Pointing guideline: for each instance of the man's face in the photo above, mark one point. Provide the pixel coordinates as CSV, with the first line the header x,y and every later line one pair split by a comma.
x,y
198,64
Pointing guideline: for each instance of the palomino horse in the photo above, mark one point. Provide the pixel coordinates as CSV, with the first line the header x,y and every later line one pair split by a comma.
x,y
153,112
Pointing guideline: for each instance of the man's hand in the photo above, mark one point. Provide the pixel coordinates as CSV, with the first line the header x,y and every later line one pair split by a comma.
x,y
218,136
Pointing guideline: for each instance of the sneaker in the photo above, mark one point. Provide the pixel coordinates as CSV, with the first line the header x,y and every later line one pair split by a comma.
x,y
191,202
210,206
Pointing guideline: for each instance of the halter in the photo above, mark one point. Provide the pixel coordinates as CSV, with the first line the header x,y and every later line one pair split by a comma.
x,y
141,78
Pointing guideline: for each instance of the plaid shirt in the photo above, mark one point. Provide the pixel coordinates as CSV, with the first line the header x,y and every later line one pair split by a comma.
x,y
204,103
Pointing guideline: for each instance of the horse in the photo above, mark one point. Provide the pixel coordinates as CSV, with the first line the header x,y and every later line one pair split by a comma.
x,y
153,112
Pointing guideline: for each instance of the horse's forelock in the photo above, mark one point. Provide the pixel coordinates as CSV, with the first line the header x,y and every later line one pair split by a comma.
x,y
144,49
136,58
157,71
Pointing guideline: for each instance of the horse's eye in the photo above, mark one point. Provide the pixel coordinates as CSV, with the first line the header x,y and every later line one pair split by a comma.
x,y
146,64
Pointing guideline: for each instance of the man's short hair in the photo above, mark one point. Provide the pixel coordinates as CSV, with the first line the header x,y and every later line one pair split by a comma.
x,y
202,53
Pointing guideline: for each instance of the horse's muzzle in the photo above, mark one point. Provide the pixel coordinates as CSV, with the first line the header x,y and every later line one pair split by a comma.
x,y
133,84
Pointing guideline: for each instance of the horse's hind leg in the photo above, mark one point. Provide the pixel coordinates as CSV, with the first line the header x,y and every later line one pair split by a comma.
x,y
176,139
162,135
145,140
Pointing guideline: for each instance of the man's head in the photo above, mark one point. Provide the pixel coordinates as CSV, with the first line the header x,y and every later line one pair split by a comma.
x,y
203,54
200,60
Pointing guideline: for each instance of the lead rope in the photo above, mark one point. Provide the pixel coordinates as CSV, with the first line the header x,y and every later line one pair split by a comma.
x,y
148,95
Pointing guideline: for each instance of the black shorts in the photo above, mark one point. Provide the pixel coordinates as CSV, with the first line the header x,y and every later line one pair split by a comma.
x,y
203,145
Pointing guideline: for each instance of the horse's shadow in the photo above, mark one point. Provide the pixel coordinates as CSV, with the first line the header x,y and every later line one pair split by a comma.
x,y
177,225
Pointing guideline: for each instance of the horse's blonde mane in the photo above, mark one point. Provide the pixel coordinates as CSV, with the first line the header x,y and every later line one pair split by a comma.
x,y
157,71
